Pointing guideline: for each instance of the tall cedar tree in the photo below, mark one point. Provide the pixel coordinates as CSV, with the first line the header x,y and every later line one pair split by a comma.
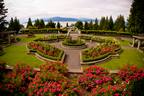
x,y
50,24
3,15
67,25
14,25
120,23
136,17
102,23
29,23
106,26
41,23
96,24
37,23
58,25
79,25
91,25
86,26
111,23
11,24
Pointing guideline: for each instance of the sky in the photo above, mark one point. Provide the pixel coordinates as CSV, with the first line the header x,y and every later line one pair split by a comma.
x,y
24,9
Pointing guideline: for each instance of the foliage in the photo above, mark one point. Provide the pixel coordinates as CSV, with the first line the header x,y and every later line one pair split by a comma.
x,y
17,81
50,24
3,15
70,42
120,24
136,17
14,25
79,25
51,38
103,32
43,30
29,23
58,25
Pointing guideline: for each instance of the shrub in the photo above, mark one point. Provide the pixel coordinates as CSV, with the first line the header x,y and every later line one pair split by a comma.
x,y
69,42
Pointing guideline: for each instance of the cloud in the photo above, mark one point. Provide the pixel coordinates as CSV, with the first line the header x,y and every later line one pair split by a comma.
x,y
68,8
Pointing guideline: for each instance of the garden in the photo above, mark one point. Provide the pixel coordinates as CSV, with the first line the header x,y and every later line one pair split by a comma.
x,y
53,79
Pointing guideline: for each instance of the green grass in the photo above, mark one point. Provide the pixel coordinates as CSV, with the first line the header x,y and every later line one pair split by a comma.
x,y
129,56
17,53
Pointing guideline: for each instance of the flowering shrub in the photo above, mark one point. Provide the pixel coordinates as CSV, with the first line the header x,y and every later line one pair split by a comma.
x,y
50,81
94,76
130,73
17,81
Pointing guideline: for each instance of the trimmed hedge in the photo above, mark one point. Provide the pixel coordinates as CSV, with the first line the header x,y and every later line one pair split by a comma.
x,y
69,42
85,59
103,32
42,31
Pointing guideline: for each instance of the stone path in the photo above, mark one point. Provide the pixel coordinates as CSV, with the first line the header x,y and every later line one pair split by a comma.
x,y
72,57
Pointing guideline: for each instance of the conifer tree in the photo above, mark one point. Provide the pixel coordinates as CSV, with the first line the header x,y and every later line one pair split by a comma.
x,y
79,25
86,26
91,25
136,17
29,23
3,15
96,24
120,23
111,23
102,23
58,25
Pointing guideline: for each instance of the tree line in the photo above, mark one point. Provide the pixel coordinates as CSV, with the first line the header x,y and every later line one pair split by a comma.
x,y
106,23
39,23
135,22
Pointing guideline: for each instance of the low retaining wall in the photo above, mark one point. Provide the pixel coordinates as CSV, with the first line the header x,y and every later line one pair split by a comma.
x,y
97,61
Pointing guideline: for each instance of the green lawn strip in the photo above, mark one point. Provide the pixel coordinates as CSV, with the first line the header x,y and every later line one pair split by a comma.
x,y
129,56
18,54
27,39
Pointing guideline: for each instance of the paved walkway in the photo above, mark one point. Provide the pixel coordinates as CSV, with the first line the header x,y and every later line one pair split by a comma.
x,y
72,56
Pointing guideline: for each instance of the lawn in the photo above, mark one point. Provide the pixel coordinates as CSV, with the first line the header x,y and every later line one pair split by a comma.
x,y
17,53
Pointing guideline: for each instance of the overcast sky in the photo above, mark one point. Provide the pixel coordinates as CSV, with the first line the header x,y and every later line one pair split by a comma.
x,y
67,8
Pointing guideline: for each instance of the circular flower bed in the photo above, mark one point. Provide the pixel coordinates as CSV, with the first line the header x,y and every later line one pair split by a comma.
x,y
78,43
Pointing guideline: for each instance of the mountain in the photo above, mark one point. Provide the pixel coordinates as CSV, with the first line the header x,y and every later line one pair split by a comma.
x,y
63,19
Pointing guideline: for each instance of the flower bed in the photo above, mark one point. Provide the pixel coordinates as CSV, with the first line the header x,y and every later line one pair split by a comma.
x,y
70,42
100,52
98,82
46,50
53,80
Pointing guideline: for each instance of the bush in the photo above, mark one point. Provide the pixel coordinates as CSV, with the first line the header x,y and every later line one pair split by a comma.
x,y
42,31
103,32
69,42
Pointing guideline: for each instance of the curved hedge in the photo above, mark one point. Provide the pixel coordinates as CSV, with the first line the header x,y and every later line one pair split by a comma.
x,y
69,42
